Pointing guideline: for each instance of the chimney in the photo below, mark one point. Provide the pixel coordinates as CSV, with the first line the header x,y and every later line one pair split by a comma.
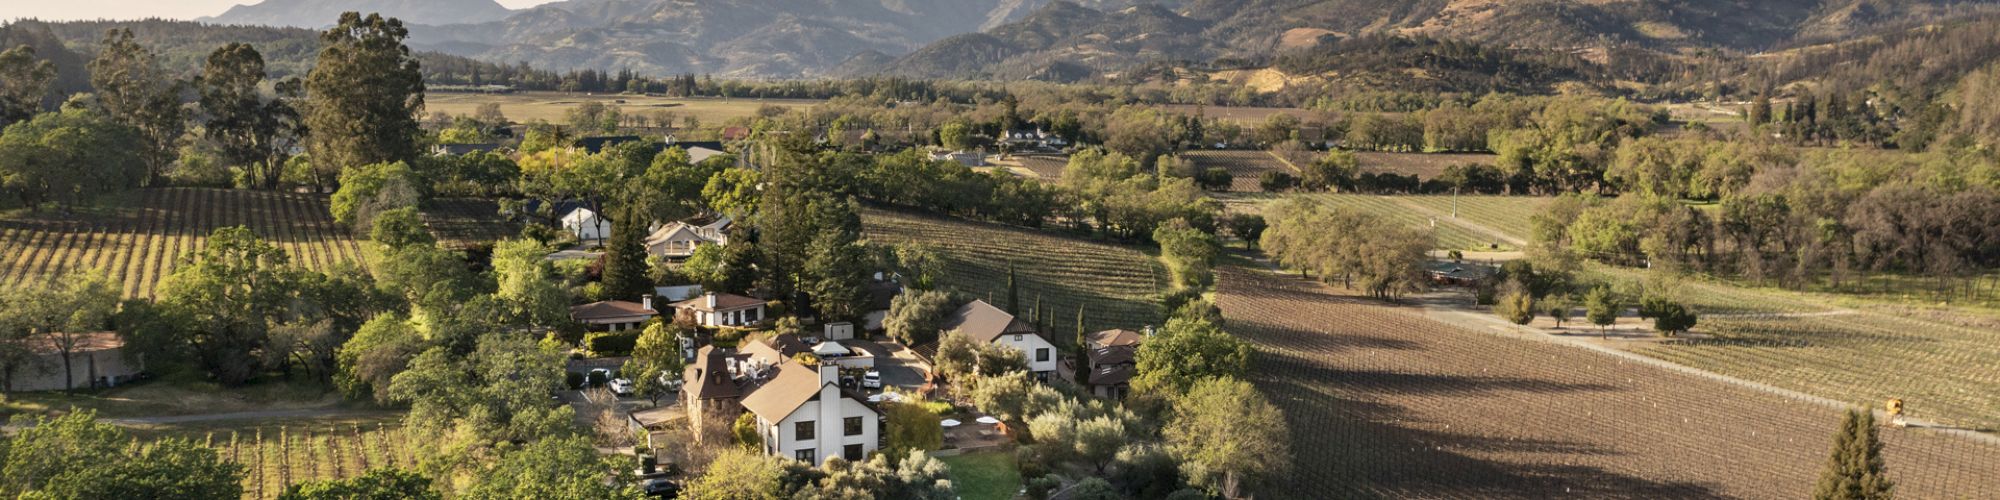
x,y
646,301
829,373
711,300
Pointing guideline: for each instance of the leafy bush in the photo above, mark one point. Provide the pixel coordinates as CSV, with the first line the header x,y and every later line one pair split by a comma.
x,y
608,344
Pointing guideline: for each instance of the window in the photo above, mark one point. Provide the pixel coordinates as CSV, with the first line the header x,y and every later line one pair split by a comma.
x,y
852,453
806,455
1042,354
803,430
851,426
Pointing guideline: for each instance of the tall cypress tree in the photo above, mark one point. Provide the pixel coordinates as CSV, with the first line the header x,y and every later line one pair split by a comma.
x,y
1013,292
625,257
1855,471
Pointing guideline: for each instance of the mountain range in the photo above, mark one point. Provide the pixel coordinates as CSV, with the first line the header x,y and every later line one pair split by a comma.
x,y
1068,40
323,13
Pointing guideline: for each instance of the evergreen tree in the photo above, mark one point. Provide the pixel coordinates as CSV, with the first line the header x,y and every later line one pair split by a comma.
x,y
366,90
625,258
1013,292
1855,471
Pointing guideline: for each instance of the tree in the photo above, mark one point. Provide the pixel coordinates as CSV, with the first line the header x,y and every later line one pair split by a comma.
x,y
1855,470
657,353
368,191
76,456
745,431
910,428
739,475
377,352
24,83
1013,292
232,292
134,92
1190,254
365,92
955,136
957,355
376,484
251,131
915,316
1186,352
835,275
62,314
625,270
1601,307
524,285
401,228
1247,227
1092,488
1332,172
67,157
1227,436
1558,307
1515,303
1672,318
554,467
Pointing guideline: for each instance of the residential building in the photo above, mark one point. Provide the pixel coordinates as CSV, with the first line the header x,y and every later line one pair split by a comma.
x,y
882,291
804,414
987,324
586,224
678,240
95,360
1110,361
614,315
721,309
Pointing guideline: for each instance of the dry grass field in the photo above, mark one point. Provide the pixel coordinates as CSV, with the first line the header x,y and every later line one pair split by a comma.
x,y
1385,402
1116,286
141,237
554,107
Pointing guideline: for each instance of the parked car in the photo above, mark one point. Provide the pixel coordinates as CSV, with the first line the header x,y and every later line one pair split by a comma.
x,y
670,381
660,488
872,380
622,387
597,377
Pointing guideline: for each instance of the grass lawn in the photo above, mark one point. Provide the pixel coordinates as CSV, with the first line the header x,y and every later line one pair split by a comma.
x,y
985,475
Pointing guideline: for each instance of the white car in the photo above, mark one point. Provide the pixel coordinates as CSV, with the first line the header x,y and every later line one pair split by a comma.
x,y
872,380
621,387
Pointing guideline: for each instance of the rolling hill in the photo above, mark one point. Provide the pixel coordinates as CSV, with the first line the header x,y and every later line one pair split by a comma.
x,y
322,13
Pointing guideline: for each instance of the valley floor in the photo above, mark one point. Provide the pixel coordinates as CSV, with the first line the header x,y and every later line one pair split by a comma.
x,y
1385,401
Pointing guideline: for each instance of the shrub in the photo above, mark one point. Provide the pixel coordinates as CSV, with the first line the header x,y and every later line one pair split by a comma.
x,y
745,430
609,344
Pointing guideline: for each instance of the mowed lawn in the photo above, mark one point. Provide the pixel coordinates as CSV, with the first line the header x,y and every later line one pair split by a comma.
x,y
990,475
554,107
1115,286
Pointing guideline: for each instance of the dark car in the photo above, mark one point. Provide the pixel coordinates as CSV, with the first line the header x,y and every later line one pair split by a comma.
x,y
660,488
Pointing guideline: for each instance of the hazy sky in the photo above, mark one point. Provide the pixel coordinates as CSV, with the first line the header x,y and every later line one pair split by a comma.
x,y
58,10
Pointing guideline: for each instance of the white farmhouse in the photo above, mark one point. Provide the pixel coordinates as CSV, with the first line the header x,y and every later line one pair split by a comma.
x,y
803,413
988,324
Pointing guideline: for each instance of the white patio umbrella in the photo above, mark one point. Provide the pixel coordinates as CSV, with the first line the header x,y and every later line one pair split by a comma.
x,y
949,423
988,420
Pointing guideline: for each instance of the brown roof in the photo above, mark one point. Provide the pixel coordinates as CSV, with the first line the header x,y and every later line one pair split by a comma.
x,y
1111,375
610,309
985,323
85,342
708,376
1118,337
1113,355
882,293
794,385
723,302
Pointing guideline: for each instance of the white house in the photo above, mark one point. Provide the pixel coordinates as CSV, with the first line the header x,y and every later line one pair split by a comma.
x,y
721,309
803,414
988,324
678,240
95,360
586,224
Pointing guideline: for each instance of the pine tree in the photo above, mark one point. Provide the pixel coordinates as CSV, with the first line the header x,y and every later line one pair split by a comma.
x,y
625,258
1855,471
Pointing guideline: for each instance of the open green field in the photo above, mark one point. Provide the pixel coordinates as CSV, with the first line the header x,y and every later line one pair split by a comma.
x,y
1484,223
554,107
1115,286
1937,359
140,237
984,475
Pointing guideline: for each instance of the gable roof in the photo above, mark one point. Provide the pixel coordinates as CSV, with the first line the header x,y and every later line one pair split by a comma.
x,y
1116,337
610,309
708,376
1113,355
723,302
794,385
985,323
682,231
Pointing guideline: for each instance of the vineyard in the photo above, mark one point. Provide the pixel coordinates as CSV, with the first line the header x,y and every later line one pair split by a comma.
x,y
274,457
463,222
1048,168
141,239
1116,286
1418,212
1246,167
1384,402
1423,165
1864,354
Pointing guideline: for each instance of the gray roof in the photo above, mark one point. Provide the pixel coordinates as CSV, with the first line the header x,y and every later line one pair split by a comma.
x,y
985,323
